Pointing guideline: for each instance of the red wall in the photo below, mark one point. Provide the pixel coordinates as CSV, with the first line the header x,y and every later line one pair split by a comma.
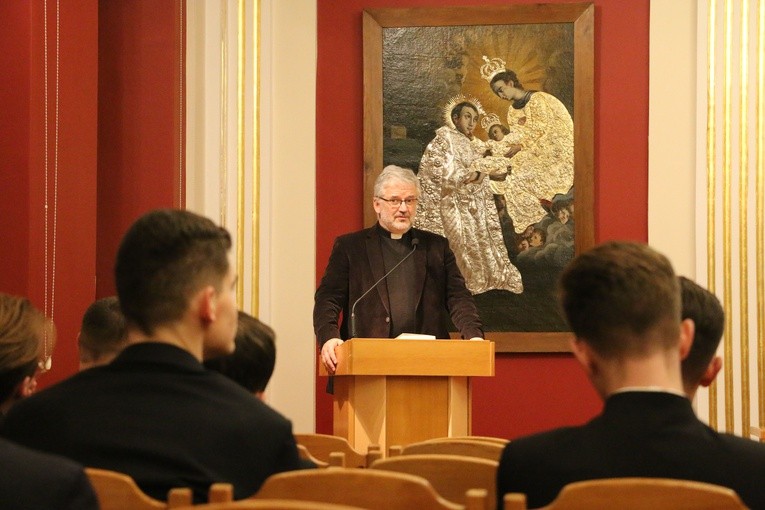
x,y
530,392
15,200
120,145
22,193
139,119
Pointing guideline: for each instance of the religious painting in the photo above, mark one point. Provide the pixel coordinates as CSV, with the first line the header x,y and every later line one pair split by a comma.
x,y
492,108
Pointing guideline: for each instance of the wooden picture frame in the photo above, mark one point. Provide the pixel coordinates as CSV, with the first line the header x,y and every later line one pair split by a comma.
x,y
581,17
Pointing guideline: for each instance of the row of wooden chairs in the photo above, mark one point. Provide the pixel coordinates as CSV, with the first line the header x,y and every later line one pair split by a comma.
x,y
320,449
409,479
370,489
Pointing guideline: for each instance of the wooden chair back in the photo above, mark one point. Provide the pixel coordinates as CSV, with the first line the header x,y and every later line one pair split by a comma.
x,y
487,439
372,489
639,494
271,504
465,447
117,491
321,446
305,454
452,476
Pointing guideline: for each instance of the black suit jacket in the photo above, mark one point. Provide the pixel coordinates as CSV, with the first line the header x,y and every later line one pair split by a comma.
x,y
356,263
639,434
31,480
156,414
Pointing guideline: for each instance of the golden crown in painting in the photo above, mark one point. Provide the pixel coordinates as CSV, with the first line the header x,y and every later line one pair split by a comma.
x,y
492,67
454,101
489,120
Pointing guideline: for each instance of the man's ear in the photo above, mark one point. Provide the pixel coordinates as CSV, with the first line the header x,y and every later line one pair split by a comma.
x,y
583,354
206,303
712,370
687,332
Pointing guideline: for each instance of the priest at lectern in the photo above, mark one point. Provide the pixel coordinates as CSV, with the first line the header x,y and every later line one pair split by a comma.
x,y
391,278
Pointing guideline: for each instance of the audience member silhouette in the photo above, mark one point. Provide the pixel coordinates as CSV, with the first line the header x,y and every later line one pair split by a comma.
x,y
103,333
32,479
622,301
155,413
702,364
252,362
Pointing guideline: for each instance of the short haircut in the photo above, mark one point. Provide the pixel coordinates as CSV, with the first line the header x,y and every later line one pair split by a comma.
x,y
103,329
252,362
623,299
457,110
165,257
22,332
708,315
395,173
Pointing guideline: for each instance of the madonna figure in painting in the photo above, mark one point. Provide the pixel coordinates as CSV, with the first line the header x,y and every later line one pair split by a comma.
x,y
545,165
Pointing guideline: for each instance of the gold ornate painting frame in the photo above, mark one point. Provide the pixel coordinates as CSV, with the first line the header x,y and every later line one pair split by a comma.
x,y
580,17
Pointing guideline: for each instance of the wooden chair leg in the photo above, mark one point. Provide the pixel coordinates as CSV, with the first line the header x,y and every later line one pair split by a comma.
x,y
395,450
337,459
476,499
221,493
179,497
514,501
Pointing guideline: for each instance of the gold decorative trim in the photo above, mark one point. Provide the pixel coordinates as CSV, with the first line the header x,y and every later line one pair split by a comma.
x,y
743,201
726,226
255,280
760,214
223,135
240,75
711,178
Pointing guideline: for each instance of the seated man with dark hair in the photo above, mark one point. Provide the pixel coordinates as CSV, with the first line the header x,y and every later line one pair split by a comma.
x,y
103,333
252,362
32,479
622,301
155,413
701,365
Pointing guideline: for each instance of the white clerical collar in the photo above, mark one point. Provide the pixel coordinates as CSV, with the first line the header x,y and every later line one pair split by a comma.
x,y
387,233
649,389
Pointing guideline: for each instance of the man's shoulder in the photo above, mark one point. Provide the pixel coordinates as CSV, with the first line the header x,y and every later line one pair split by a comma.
x,y
562,437
29,460
355,237
429,237
70,388
42,479
743,448
245,401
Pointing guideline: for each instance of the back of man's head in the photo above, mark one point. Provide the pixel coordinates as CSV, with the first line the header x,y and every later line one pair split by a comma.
x,y
622,299
165,257
707,314
252,362
102,332
22,332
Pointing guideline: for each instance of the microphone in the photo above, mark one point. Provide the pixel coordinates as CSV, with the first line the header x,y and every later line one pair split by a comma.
x,y
415,242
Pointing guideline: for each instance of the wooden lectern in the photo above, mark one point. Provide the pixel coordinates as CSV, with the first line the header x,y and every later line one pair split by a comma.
x,y
396,392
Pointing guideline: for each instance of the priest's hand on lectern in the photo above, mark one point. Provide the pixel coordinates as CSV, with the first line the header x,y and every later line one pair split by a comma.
x,y
328,356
